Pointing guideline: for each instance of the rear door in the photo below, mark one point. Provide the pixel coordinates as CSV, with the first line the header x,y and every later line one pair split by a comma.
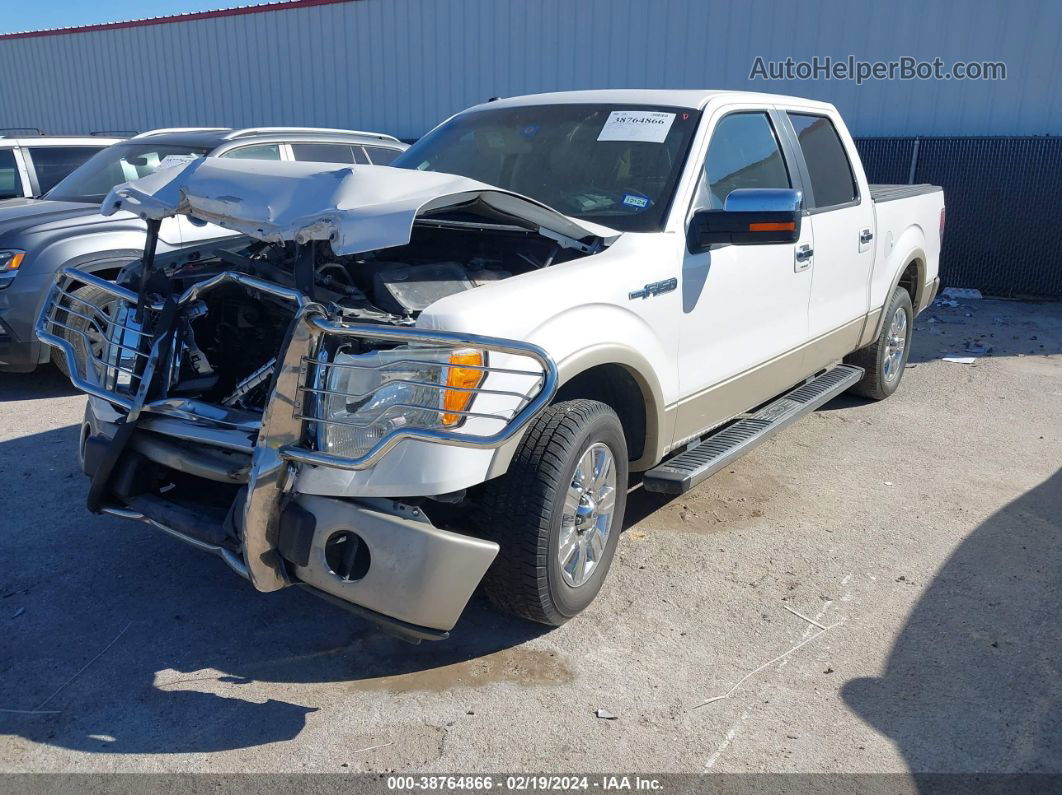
x,y
745,308
841,214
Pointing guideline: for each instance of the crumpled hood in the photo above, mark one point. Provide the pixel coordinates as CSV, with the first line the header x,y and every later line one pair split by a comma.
x,y
18,215
358,208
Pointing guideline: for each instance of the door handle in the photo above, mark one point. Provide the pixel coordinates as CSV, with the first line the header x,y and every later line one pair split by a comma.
x,y
804,253
865,236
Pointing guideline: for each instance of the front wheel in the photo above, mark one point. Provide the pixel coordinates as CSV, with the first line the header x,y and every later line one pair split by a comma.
x,y
86,326
885,359
558,512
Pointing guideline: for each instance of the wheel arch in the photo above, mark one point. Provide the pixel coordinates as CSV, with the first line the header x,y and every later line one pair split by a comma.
x,y
622,379
105,264
911,275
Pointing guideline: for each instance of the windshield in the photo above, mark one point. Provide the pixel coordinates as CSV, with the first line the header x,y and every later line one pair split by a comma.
x,y
615,165
93,180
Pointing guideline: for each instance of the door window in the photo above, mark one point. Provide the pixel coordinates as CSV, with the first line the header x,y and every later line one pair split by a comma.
x,y
832,181
53,163
743,153
381,155
10,182
324,153
260,152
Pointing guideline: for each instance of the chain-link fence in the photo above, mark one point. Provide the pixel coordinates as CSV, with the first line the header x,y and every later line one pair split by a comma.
x,y
1002,234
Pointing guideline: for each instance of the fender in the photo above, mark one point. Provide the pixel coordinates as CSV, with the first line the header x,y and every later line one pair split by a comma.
x,y
659,423
104,260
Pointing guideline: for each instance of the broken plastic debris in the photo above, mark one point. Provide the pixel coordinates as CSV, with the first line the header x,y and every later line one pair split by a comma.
x,y
604,714
968,293
961,359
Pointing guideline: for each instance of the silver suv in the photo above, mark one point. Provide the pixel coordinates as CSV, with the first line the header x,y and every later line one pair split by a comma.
x,y
64,227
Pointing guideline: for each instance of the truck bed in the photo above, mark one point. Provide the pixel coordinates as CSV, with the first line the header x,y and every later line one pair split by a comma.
x,y
888,193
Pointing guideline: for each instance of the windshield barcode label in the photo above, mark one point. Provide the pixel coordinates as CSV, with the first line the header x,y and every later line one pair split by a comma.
x,y
637,125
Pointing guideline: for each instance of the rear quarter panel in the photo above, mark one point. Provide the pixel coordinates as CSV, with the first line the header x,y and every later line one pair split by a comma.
x,y
908,229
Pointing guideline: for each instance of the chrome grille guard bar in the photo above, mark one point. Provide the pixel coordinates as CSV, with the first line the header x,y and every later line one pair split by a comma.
x,y
93,373
532,401
98,374
279,447
280,444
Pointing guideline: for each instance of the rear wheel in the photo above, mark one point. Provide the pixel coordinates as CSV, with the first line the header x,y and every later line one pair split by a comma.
x,y
558,512
884,360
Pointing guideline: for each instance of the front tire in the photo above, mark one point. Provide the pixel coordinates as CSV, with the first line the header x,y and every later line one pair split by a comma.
x,y
557,513
884,360
87,322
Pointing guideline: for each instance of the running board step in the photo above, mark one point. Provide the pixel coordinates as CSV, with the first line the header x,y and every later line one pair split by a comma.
x,y
680,474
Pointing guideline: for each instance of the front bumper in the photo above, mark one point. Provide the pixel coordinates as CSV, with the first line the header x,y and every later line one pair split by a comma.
x,y
20,352
418,577
17,356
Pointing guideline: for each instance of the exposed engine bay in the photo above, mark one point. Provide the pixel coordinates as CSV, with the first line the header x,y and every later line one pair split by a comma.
x,y
230,338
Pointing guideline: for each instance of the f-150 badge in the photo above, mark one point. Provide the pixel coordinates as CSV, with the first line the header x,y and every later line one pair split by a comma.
x,y
655,288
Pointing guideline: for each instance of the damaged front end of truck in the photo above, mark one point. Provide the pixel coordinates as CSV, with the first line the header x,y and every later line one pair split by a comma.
x,y
258,401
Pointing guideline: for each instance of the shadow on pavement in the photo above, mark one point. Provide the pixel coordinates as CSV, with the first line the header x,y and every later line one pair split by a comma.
x,y
44,382
974,681
73,581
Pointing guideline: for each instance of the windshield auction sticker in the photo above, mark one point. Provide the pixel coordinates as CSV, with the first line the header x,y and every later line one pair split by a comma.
x,y
637,125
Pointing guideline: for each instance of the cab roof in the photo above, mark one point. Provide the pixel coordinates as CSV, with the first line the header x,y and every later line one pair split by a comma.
x,y
695,99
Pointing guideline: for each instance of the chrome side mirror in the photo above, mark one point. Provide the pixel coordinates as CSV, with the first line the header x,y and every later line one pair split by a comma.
x,y
749,216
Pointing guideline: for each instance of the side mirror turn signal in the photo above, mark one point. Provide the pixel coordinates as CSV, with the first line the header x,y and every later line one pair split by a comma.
x,y
749,216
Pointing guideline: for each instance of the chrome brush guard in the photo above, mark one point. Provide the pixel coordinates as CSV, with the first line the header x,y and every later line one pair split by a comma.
x,y
114,347
119,356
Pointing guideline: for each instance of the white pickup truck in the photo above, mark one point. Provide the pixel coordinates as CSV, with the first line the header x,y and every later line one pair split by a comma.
x,y
407,380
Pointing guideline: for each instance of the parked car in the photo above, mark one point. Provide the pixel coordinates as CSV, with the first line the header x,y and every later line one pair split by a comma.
x,y
38,237
32,165
423,376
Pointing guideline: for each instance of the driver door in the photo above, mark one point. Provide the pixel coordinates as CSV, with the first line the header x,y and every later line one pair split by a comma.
x,y
745,307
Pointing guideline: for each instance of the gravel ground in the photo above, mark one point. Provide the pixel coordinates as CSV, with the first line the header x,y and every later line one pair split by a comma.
x,y
922,532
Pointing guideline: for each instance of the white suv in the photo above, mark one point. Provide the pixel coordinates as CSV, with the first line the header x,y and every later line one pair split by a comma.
x,y
32,165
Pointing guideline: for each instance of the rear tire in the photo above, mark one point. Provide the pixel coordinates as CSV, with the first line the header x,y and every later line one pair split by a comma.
x,y
884,360
558,513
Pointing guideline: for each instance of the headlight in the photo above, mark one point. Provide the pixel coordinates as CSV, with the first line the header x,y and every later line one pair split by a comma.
x,y
366,397
10,259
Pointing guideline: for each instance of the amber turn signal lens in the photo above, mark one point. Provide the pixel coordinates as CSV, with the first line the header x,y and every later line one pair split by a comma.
x,y
465,373
781,226
14,261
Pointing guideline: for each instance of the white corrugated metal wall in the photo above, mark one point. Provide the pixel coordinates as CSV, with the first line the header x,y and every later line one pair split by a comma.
x,y
402,65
